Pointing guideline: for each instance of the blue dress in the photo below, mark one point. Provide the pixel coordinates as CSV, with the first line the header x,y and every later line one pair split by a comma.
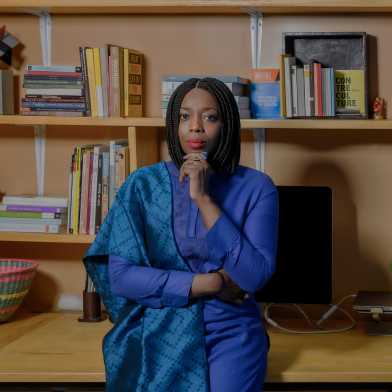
x,y
243,242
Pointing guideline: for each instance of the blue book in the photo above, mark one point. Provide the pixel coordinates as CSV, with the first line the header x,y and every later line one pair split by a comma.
x,y
265,100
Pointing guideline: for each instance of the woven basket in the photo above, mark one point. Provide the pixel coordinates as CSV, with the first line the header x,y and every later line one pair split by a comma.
x,y
16,276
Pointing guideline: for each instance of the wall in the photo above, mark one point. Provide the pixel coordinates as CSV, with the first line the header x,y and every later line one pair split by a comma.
x,y
356,164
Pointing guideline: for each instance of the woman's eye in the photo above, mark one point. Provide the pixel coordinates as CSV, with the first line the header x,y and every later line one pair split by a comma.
x,y
184,116
211,117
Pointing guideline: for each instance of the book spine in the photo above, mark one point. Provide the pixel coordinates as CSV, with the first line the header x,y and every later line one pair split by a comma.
x,y
55,68
77,189
30,215
91,82
115,81
125,85
70,196
30,228
98,81
27,208
86,90
103,55
98,209
135,83
94,190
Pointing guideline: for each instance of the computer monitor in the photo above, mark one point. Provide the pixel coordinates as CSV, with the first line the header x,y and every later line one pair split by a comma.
x,y
303,272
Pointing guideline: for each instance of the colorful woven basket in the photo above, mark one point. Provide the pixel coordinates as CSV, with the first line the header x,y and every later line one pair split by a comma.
x,y
16,276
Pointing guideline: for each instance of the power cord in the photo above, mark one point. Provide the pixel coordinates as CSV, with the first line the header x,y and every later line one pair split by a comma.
x,y
318,329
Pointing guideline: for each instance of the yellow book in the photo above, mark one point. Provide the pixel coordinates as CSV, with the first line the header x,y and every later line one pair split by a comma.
x,y
98,81
282,85
91,81
126,81
350,91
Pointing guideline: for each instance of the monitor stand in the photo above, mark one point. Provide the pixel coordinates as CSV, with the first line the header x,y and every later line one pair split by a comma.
x,y
376,328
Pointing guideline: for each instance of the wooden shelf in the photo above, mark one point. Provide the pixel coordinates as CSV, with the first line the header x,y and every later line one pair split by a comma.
x,y
46,238
160,122
195,6
50,347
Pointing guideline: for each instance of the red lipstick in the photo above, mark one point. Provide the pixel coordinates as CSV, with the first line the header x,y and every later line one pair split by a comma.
x,y
196,144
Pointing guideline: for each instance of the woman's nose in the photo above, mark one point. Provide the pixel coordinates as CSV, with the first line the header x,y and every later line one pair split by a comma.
x,y
196,124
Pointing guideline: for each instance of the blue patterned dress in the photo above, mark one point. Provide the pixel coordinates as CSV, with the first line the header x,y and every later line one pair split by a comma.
x,y
243,242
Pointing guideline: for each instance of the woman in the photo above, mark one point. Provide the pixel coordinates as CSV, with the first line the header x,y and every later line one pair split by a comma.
x,y
182,251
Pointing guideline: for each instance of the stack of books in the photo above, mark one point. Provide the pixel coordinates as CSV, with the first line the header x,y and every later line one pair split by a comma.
x,y
238,86
96,174
38,214
53,91
113,77
7,92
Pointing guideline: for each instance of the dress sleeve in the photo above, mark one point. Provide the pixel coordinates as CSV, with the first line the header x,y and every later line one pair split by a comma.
x,y
152,287
248,254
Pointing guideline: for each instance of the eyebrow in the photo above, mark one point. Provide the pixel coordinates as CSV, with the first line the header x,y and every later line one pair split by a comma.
x,y
203,109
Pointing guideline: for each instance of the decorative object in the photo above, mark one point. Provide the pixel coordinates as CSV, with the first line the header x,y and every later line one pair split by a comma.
x,y
16,276
379,108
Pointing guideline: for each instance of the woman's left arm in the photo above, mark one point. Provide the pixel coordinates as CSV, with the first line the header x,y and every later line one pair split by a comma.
x,y
249,254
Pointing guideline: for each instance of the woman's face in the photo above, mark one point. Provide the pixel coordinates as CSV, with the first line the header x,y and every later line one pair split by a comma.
x,y
200,122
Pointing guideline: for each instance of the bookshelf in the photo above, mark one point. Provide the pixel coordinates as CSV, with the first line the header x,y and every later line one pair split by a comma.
x,y
196,6
143,133
156,122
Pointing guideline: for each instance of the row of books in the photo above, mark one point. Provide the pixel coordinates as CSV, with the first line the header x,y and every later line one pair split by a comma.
x,y
33,214
113,78
238,86
6,92
96,173
53,91
314,90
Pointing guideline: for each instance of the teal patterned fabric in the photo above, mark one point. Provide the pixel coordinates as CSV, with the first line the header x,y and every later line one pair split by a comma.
x,y
147,350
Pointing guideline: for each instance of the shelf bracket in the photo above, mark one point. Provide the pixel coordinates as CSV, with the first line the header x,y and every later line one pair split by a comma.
x,y
45,28
256,35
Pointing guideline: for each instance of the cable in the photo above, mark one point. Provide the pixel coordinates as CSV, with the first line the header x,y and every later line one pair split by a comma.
x,y
317,325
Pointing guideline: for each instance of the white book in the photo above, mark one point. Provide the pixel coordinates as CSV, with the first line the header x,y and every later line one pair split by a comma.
x,y
30,228
31,221
288,62
103,54
43,201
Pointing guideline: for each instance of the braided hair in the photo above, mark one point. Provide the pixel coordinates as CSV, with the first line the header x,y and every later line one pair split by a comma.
x,y
226,155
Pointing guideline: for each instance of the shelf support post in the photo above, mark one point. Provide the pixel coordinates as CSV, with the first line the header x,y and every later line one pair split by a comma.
x,y
256,34
45,27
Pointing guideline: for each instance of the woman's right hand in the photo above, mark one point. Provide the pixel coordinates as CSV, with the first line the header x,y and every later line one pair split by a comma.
x,y
230,291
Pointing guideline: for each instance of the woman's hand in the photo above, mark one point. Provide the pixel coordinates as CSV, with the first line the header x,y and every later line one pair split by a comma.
x,y
197,169
231,292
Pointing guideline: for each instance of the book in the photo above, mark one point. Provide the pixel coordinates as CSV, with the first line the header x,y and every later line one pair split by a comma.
x,y
30,214
31,208
30,200
265,100
30,228
350,91
222,78
262,75
55,68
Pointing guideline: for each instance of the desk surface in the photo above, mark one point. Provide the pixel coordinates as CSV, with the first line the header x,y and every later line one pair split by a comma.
x,y
56,347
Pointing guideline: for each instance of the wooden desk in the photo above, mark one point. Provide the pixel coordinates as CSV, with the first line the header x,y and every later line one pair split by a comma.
x,y
54,347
